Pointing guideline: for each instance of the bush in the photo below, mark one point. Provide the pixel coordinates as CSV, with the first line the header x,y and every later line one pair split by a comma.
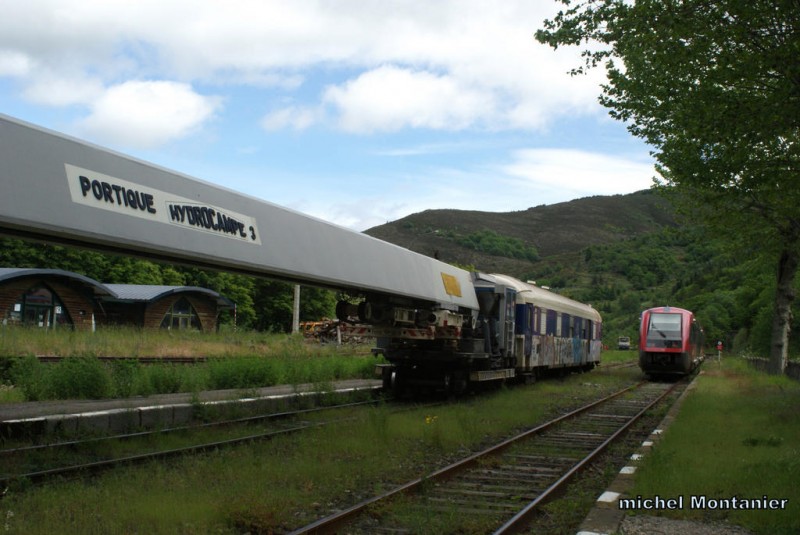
x,y
28,374
160,379
79,377
492,243
123,377
253,372
85,377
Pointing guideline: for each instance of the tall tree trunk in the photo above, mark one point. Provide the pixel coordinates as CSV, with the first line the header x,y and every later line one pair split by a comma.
x,y
782,318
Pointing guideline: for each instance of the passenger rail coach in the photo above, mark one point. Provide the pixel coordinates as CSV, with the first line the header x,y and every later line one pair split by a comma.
x,y
670,342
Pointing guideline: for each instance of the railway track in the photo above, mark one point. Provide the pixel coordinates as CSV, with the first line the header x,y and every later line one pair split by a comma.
x,y
76,458
50,359
503,486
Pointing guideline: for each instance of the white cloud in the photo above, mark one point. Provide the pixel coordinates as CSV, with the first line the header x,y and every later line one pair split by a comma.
x,y
391,98
294,117
54,90
145,114
578,172
14,63
358,214
445,65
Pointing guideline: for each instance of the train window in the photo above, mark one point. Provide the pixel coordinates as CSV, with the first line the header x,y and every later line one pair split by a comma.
x,y
663,328
530,317
524,321
552,322
559,325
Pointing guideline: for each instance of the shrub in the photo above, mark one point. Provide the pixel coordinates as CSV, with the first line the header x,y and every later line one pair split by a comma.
x,y
160,380
79,377
251,372
28,374
123,377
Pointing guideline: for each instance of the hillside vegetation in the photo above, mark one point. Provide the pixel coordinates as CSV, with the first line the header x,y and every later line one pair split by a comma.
x,y
548,230
621,254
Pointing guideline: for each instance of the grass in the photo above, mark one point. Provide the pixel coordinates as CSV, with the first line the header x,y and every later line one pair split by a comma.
x,y
737,436
290,481
235,360
135,342
618,355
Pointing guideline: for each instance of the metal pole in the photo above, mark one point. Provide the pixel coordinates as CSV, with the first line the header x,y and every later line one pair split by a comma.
x,y
296,310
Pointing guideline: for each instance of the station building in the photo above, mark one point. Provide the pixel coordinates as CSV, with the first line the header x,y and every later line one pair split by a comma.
x,y
58,299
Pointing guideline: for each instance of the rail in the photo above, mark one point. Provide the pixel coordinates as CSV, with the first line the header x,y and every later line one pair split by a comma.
x,y
469,496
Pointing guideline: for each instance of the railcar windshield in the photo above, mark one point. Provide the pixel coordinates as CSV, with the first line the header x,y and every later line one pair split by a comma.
x,y
664,330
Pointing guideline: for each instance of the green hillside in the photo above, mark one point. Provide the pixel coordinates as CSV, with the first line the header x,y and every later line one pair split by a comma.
x,y
549,230
621,254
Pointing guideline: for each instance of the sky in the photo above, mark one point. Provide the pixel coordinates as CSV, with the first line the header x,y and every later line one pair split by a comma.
x,y
356,112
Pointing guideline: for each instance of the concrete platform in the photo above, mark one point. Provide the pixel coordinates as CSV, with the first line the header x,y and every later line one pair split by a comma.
x,y
18,420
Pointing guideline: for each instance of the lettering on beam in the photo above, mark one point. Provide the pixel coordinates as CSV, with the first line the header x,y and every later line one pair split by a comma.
x,y
90,188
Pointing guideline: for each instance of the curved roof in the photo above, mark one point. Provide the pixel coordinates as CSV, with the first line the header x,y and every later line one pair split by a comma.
x,y
121,292
528,293
151,292
16,273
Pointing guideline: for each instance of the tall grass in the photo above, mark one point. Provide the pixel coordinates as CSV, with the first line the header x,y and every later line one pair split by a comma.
x,y
737,436
244,360
135,342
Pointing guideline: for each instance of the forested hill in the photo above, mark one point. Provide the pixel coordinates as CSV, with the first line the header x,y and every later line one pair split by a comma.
x,y
508,242
621,254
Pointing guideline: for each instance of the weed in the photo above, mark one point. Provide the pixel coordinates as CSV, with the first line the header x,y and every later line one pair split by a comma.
x,y
267,360
728,442
123,374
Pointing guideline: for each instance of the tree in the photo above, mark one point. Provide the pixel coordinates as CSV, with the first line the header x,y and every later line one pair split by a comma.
x,y
714,87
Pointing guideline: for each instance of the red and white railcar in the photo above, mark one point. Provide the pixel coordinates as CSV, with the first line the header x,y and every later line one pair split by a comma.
x,y
670,341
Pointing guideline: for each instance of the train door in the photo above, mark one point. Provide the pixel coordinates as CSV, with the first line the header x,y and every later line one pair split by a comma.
x,y
551,322
529,319
536,336
577,340
508,322
524,333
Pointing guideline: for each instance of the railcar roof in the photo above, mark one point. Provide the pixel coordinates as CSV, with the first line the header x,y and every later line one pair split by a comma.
x,y
529,293
669,309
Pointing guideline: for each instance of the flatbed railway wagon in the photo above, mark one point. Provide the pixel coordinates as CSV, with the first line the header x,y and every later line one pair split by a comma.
x,y
670,342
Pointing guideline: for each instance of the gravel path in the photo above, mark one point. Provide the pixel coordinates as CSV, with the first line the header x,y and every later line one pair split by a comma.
x,y
653,525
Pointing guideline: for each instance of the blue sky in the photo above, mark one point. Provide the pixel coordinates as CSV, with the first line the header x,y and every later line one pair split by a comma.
x,y
353,111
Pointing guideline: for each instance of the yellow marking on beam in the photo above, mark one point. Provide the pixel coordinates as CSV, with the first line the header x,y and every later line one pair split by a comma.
x,y
451,285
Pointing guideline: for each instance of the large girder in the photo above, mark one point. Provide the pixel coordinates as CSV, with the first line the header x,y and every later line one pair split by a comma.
x,y
64,190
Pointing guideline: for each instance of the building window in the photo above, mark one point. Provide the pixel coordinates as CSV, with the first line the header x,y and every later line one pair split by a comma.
x,y
40,307
181,315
